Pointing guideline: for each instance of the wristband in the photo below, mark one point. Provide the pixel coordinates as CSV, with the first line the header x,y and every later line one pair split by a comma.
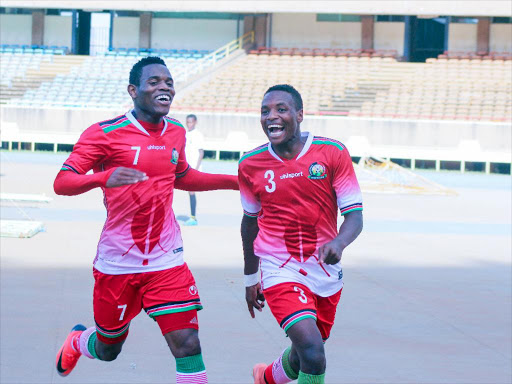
x,y
250,280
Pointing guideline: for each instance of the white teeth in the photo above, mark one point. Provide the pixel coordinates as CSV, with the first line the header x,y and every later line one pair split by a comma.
x,y
163,98
275,126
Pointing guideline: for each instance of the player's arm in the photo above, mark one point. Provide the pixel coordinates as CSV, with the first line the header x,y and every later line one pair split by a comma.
x,y
249,231
70,183
200,159
195,181
350,203
253,293
201,150
350,229
189,179
89,151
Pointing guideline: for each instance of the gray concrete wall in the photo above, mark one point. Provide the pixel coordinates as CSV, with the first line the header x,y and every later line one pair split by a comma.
x,y
420,133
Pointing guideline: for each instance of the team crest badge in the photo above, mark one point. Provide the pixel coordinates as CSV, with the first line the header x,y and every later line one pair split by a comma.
x,y
175,156
317,171
193,290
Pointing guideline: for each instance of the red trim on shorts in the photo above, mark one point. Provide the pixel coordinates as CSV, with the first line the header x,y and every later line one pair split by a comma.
x,y
176,321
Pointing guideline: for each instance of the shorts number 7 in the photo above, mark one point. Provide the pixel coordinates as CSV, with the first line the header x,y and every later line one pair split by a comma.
x,y
123,307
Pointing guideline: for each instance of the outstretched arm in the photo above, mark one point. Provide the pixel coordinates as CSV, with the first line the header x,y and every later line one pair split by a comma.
x,y
195,181
71,183
351,227
253,293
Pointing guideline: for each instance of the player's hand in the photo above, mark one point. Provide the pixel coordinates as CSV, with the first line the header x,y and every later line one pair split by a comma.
x,y
254,297
331,252
125,176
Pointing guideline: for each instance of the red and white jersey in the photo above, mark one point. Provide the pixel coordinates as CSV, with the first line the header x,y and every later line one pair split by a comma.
x,y
296,202
141,233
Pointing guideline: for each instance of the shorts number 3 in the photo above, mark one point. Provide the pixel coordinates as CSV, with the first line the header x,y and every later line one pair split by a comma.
x,y
302,296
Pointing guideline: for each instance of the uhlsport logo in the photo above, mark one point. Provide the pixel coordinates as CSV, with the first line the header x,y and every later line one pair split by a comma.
x,y
317,171
156,147
175,156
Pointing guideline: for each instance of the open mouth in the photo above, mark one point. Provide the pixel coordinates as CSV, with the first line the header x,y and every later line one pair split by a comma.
x,y
275,130
164,99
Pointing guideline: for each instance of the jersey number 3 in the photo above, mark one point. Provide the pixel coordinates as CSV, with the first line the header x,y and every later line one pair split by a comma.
x,y
272,184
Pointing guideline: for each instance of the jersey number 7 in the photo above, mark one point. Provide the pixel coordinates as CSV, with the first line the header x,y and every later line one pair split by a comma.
x,y
136,160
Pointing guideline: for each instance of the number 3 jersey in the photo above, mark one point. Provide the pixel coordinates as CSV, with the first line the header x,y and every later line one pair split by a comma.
x,y
296,202
141,233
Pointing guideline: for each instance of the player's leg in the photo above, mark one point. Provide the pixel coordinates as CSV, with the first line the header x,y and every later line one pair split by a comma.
x,y
193,203
326,312
115,305
172,299
308,344
291,304
185,347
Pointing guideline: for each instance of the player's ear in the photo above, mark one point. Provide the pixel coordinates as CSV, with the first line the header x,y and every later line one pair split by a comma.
x,y
300,115
132,91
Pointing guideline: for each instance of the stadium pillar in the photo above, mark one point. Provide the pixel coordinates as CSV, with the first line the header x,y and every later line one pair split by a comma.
x,y
260,30
38,27
81,33
483,34
248,27
367,26
145,30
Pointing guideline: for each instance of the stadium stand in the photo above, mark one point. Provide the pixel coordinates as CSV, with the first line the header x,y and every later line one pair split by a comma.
x,y
363,85
93,81
88,81
476,55
21,72
348,52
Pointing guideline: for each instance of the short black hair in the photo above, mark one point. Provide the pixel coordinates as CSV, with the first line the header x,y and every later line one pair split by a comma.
x,y
297,99
136,71
192,116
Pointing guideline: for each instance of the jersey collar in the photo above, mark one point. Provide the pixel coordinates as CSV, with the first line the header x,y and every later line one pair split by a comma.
x,y
309,140
134,121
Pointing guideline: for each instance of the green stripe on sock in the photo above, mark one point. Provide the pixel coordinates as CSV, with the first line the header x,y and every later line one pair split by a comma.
x,y
306,378
91,345
190,364
292,375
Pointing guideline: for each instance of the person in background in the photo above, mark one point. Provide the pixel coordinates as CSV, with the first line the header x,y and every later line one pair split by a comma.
x,y
195,153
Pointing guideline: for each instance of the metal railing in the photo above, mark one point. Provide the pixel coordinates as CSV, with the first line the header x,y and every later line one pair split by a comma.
x,y
220,54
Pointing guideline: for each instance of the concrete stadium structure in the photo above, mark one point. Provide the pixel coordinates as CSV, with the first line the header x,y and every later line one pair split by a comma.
x,y
466,26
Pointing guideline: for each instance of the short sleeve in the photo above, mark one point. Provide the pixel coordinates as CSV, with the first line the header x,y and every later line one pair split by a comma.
x,y
250,202
345,184
88,152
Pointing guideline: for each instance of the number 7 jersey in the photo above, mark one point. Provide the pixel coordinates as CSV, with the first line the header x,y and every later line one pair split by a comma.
x,y
296,203
141,233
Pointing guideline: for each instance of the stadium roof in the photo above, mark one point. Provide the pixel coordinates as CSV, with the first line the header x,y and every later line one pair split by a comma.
x,y
375,7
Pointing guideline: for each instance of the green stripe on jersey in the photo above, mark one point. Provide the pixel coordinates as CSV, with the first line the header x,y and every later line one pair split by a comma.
x,y
113,127
325,142
169,121
247,155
